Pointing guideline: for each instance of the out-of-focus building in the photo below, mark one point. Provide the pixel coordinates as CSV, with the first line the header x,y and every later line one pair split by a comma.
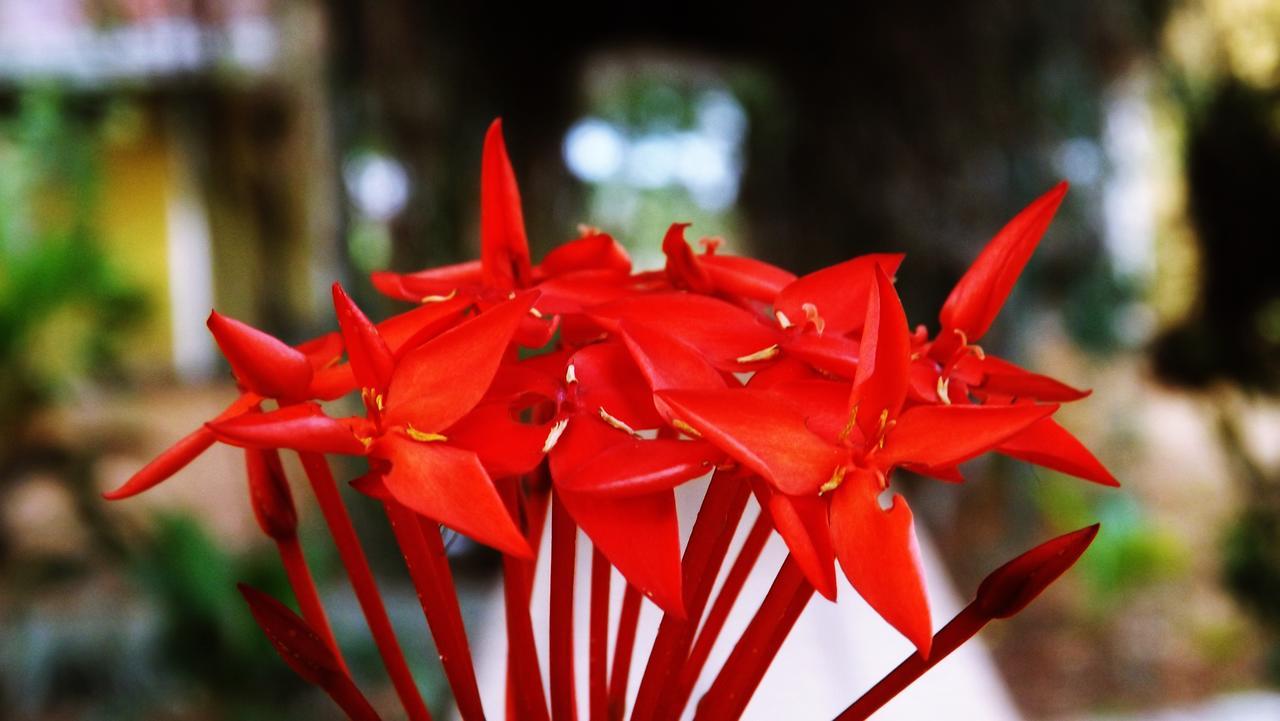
x,y
215,174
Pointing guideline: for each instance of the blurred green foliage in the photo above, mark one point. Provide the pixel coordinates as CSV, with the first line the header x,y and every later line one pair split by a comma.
x,y
1129,553
62,304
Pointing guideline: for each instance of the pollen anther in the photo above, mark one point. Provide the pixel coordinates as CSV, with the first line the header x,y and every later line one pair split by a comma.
x,y
837,478
783,321
685,428
811,316
570,374
943,384
553,437
616,422
422,437
439,298
760,355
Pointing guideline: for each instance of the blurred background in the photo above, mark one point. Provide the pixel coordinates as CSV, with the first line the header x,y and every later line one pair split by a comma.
x,y
162,157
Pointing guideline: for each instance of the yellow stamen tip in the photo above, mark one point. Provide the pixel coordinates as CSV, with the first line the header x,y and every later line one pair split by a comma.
x,y
554,436
616,422
760,355
836,479
422,437
685,428
570,374
943,389
439,298
811,315
783,320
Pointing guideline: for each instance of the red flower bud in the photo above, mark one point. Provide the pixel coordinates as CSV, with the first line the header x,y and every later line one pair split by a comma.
x,y
1009,588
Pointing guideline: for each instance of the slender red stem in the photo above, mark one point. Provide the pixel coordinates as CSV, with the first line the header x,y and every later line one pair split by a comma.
x,y
741,674
708,543
362,582
742,566
623,647
961,628
598,642
523,672
343,691
304,590
564,545
432,579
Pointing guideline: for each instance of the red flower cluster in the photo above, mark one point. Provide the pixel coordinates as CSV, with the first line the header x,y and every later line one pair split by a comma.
x,y
808,391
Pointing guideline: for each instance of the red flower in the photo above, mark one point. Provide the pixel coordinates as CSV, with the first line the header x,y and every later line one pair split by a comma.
x,y
589,269
410,400
826,446
615,483
952,368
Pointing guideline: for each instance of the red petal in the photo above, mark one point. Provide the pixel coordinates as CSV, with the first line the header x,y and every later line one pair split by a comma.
x,y
607,378
833,354
438,382
683,270
416,326
923,380
822,403
636,467
370,359
802,524
332,383
1000,377
936,436
668,362
413,287
745,277
323,351
616,527
721,331
261,362
449,486
293,639
1045,443
177,456
978,296
884,357
597,251
879,553
573,292
505,448
301,427
1011,587
504,249
582,439
785,370
536,332
160,469
767,436
840,292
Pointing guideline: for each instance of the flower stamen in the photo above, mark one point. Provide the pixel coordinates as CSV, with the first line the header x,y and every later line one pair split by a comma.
x,y
439,298
760,355
423,437
837,477
616,422
553,436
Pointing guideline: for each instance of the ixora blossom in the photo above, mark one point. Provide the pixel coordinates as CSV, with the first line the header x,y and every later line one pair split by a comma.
x,y
578,389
